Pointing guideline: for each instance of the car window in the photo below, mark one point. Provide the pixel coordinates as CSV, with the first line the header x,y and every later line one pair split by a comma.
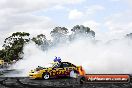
x,y
66,65
56,65
72,65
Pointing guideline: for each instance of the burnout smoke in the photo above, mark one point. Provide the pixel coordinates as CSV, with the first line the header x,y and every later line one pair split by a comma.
x,y
112,57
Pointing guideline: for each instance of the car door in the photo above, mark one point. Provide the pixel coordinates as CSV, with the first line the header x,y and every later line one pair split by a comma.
x,y
59,69
68,68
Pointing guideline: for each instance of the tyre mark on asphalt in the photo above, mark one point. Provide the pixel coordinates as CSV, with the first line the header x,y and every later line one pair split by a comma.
x,y
33,86
18,83
2,82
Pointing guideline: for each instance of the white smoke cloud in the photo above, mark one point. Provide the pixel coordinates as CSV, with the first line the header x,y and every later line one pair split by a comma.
x,y
111,57
33,57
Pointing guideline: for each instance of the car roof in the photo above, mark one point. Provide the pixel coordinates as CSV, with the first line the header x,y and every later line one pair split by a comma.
x,y
68,62
65,62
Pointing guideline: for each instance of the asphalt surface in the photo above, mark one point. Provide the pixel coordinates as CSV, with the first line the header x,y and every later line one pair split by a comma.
x,y
25,82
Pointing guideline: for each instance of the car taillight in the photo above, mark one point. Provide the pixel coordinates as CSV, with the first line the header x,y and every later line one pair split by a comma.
x,y
81,68
81,71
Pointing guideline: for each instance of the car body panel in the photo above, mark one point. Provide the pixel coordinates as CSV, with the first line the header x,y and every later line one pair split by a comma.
x,y
59,70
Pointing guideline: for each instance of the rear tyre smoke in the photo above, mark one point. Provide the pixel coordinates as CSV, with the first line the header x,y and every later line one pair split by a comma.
x,y
74,74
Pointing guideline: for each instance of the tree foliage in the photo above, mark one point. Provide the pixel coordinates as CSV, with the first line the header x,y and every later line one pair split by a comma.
x,y
59,34
41,41
129,35
81,31
13,46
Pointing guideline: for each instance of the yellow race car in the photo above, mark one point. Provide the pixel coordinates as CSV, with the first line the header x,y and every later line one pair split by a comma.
x,y
57,69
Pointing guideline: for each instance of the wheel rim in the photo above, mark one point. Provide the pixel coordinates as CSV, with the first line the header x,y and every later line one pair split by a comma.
x,y
46,76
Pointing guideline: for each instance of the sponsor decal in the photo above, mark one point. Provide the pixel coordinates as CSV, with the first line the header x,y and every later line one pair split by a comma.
x,y
110,78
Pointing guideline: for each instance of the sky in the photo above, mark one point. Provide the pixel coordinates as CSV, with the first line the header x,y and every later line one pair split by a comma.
x,y
110,19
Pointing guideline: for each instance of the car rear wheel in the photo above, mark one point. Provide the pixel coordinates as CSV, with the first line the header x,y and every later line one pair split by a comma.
x,y
46,75
81,80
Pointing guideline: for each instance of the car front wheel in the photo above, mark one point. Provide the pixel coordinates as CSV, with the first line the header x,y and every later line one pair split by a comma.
x,y
46,75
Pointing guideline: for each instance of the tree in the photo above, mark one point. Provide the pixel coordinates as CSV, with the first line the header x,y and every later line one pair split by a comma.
x,y
2,53
41,41
59,34
81,31
13,46
129,35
